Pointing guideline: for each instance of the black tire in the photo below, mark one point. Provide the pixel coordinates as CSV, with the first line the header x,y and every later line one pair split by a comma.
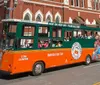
x,y
38,68
88,60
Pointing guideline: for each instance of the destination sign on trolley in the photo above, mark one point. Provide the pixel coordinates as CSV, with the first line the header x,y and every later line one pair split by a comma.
x,y
64,25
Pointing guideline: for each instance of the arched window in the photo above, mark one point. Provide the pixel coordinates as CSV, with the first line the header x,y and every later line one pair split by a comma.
x,y
38,18
57,19
27,17
48,19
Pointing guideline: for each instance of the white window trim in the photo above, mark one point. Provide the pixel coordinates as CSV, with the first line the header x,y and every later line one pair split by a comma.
x,y
66,2
49,14
94,22
73,3
95,5
39,13
78,3
83,4
87,22
27,11
99,5
70,20
58,15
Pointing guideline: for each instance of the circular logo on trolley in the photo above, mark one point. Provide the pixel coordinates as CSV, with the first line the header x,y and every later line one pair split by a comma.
x,y
76,50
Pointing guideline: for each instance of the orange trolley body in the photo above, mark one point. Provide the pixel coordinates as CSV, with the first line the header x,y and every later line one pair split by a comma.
x,y
23,61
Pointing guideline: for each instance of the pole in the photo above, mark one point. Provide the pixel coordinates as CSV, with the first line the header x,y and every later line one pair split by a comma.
x,y
12,8
63,12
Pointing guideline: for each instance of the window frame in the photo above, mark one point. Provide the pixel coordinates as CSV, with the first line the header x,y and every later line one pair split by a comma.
x,y
23,29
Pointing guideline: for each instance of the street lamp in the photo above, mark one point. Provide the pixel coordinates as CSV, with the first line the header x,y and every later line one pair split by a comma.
x,y
10,8
5,3
15,3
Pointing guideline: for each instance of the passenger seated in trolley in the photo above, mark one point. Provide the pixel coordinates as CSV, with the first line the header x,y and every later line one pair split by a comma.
x,y
24,43
80,36
46,44
66,39
89,35
30,45
58,44
53,44
39,44
43,44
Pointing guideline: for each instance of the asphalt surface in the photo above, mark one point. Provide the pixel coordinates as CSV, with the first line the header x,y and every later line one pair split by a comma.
x,y
77,74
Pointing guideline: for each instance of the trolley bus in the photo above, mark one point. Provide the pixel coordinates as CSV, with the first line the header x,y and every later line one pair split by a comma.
x,y
33,47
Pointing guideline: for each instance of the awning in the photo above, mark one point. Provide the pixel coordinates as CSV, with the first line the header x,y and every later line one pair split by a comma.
x,y
98,21
80,20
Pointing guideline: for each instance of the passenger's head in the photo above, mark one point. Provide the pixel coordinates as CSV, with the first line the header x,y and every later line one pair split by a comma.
x,y
97,37
88,33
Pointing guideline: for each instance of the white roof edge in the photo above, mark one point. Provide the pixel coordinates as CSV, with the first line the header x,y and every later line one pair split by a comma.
x,y
26,21
5,20
19,20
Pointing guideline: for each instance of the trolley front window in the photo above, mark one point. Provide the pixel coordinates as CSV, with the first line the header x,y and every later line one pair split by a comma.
x,y
9,33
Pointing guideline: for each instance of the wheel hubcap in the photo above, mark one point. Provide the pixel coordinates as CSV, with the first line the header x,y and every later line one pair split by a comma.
x,y
88,60
38,68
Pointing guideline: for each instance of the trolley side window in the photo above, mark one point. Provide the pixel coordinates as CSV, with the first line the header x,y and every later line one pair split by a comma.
x,y
43,37
12,28
28,31
57,32
25,43
67,35
43,32
78,34
57,39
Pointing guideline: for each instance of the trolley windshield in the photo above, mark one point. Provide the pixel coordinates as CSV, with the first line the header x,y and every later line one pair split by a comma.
x,y
9,32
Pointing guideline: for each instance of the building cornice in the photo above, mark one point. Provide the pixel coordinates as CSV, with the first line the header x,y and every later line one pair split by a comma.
x,y
41,3
85,10
53,2
74,8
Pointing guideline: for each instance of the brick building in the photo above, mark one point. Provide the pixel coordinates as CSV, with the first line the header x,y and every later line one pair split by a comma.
x,y
1,16
85,12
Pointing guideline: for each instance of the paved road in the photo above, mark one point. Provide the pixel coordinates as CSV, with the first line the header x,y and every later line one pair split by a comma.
x,y
70,75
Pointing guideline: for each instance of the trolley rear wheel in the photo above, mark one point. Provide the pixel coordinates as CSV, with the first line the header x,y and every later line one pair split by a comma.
x,y
87,60
38,68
